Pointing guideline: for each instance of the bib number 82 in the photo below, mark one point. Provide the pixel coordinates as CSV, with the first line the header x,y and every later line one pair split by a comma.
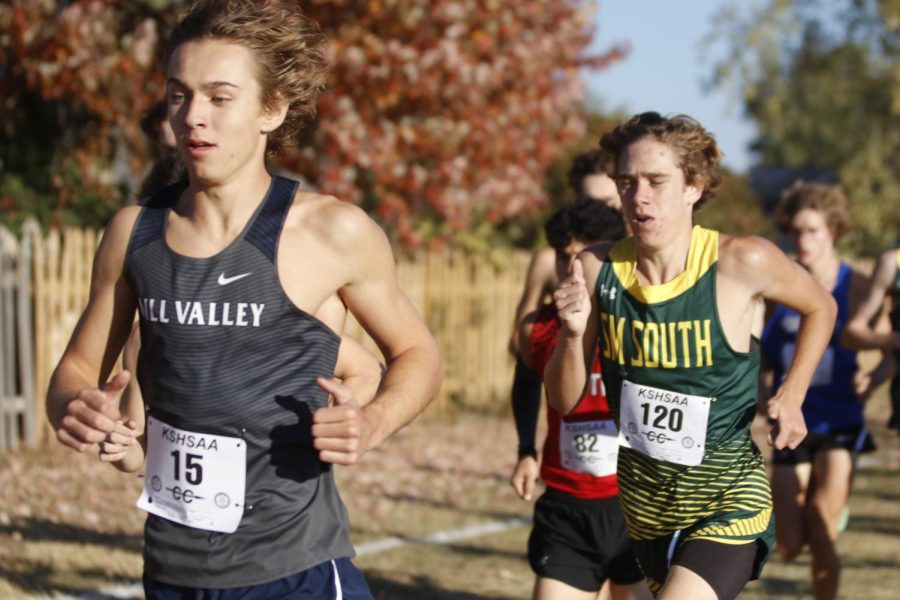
x,y
665,418
585,443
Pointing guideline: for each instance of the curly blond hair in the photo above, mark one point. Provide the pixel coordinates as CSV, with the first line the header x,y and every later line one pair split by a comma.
x,y
829,200
289,48
695,148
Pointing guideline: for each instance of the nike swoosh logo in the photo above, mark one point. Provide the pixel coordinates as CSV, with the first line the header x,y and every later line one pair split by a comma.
x,y
226,280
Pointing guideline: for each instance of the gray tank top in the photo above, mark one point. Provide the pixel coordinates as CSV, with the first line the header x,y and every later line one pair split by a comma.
x,y
225,352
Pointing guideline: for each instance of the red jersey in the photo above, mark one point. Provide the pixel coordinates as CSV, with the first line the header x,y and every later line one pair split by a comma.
x,y
581,448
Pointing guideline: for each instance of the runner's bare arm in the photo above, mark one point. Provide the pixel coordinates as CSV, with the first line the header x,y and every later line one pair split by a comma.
x,y
127,452
524,477
866,381
81,405
566,376
414,372
540,279
860,332
764,386
765,378
757,266
358,369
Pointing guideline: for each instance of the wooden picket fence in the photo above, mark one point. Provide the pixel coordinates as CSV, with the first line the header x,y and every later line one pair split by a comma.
x,y
467,301
18,420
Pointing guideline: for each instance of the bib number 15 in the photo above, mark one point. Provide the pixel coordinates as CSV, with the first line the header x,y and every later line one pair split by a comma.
x,y
192,470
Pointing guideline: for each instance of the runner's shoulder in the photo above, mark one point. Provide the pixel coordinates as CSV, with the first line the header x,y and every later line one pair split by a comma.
x,y
330,220
592,258
119,227
742,255
886,266
542,269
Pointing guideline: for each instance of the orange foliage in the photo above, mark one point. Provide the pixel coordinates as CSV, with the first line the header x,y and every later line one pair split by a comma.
x,y
439,115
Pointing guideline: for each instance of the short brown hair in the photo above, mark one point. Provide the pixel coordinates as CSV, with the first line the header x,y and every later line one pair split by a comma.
x,y
290,51
152,121
695,148
829,200
595,162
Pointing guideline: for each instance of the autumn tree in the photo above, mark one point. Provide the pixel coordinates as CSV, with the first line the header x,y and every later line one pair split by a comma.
x,y
75,77
441,116
821,80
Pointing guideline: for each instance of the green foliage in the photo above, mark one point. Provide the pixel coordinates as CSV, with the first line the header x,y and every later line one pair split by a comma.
x,y
822,81
734,209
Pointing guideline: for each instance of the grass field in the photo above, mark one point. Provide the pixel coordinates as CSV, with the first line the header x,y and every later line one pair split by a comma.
x,y
68,524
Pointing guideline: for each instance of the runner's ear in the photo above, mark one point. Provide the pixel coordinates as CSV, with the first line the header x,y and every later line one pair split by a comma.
x,y
274,114
692,194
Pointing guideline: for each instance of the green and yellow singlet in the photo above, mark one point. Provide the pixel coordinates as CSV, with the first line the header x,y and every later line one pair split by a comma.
x,y
683,400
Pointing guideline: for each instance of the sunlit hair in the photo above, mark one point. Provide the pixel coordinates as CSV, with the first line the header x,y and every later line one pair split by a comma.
x,y
829,200
595,162
694,147
290,52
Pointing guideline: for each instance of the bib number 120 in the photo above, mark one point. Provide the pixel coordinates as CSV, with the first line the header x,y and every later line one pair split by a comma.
x,y
666,418
193,470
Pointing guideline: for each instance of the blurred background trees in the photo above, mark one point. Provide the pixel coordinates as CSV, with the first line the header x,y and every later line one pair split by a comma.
x,y
441,118
454,121
75,78
821,79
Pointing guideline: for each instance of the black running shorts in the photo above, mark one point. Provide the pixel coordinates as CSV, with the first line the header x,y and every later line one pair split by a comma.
x,y
581,542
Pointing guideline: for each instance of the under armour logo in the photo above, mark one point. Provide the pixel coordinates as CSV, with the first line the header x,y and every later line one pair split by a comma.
x,y
609,292
226,280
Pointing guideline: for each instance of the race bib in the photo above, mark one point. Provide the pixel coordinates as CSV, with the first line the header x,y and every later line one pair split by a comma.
x,y
195,479
663,425
589,447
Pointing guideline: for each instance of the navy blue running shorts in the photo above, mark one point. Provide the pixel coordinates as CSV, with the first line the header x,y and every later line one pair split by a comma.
x,y
336,579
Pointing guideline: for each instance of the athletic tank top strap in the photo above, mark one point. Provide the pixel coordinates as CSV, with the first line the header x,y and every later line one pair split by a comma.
x,y
702,255
151,223
841,292
264,232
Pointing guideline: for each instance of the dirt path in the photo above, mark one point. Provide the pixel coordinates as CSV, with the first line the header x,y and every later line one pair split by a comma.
x,y
68,524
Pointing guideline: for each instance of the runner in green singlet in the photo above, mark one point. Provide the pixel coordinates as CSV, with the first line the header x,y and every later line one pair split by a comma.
x,y
674,309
